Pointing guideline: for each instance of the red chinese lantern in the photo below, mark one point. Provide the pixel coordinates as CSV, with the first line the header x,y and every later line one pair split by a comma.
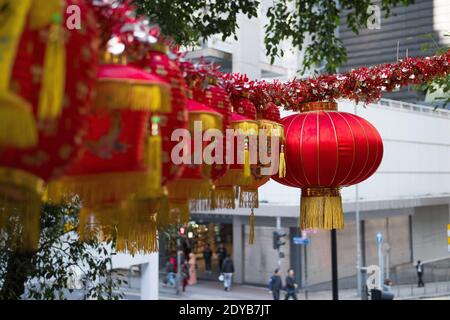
x,y
238,174
327,150
194,183
25,172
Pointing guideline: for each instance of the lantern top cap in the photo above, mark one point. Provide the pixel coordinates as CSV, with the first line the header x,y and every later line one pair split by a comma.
x,y
319,106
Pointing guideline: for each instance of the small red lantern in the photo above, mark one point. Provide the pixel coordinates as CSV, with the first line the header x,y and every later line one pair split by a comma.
x,y
327,150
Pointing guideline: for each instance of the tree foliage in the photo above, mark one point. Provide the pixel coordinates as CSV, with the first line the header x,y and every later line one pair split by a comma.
x,y
309,24
52,271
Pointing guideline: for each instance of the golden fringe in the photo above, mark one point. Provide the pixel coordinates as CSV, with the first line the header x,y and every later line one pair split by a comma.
x,y
42,13
247,171
20,208
234,177
248,198
271,127
208,120
251,235
116,94
133,225
245,127
321,212
189,189
96,189
224,197
17,124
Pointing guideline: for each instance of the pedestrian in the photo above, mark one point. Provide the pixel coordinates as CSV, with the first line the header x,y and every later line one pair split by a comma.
x,y
192,269
221,254
275,284
227,271
419,268
185,274
291,286
207,256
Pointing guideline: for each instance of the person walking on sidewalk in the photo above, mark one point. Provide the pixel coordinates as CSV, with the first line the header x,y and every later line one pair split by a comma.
x,y
192,269
227,271
291,286
275,284
419,268
221,255
207,256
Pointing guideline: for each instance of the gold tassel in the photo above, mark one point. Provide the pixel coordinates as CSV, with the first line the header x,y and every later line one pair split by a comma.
x,y
247,171
154,160
17,124
20,208
54,72
282,167
321,208
251,235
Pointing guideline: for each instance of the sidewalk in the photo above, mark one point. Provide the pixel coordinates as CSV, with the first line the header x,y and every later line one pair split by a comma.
x,y
210,290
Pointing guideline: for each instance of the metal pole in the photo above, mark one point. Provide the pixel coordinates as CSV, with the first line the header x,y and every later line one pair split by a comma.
x,y
358,237
334,265
381,263
278,249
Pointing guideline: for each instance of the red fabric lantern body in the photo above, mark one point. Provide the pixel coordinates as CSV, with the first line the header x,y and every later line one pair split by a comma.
x,y
326,150
24,172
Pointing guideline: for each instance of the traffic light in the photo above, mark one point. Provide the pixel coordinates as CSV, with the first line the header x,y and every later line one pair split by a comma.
x,y
182,231
277,240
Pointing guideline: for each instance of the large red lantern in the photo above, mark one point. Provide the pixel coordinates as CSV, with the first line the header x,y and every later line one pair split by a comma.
x,y
327,150
25,172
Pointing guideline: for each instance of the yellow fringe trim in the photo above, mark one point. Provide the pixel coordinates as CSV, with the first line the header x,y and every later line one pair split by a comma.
x,y
322,212
271,128
96,189
234,177
20,208
189,189
224,197
245,127
251,235
42,12
132,95
208,120
179,208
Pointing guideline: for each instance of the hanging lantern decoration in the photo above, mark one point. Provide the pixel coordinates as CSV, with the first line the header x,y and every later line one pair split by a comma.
x,y
157,62
325,151
194,184
20,19
268,120
239,173
217,98
60,137
113,165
